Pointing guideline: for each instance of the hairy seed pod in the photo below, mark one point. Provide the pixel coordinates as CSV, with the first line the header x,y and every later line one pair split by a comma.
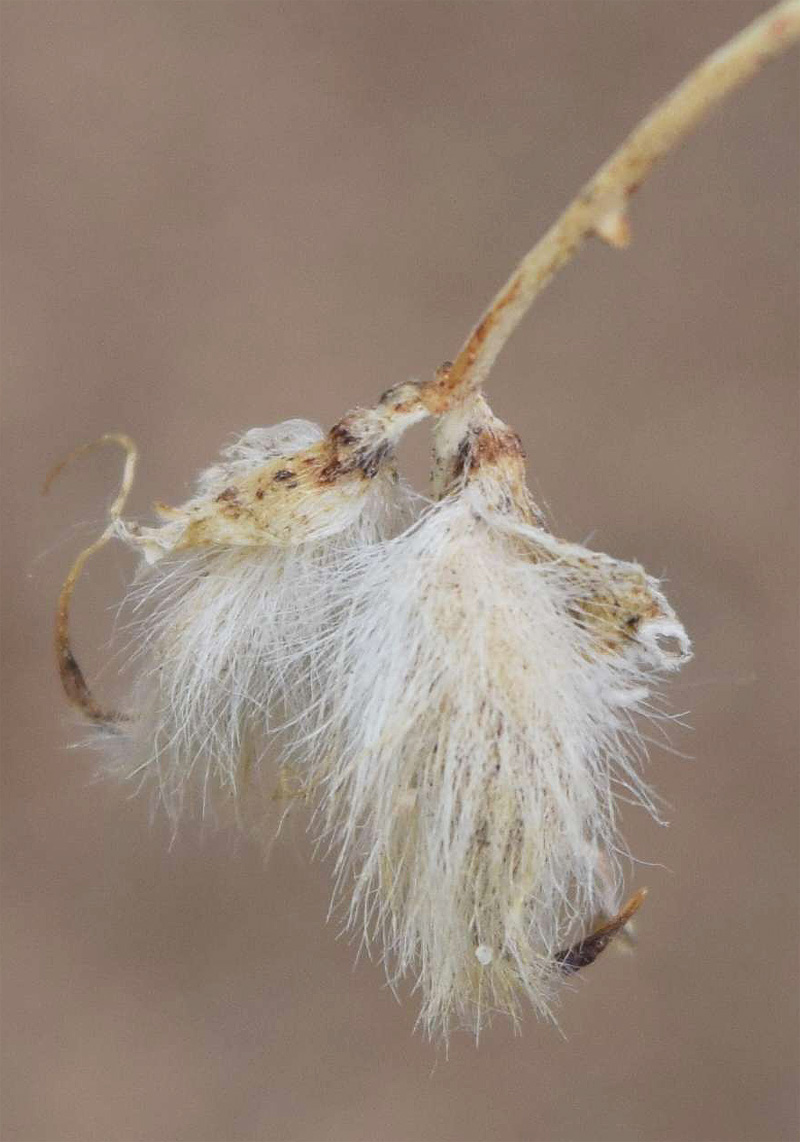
x,y
234,588
483,680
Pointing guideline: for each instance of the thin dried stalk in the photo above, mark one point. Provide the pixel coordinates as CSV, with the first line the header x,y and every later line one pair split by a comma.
x,y
72,678
601,208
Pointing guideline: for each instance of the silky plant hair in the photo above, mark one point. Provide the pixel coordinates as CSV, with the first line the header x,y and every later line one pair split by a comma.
x,y
484,681
455,693
233,591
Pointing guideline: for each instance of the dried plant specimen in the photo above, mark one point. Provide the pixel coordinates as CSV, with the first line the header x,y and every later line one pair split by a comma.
x,y
454,691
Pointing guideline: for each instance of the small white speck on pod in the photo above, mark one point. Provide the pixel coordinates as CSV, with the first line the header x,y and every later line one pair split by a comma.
x,y
484,954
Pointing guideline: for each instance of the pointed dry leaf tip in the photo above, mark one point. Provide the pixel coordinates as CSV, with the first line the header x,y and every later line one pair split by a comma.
x,y
586,951
72,677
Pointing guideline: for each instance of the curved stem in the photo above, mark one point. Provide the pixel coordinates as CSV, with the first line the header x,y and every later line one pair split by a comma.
x,y
601,206
72,678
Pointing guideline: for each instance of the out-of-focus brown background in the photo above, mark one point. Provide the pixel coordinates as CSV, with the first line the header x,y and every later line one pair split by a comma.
x,y
218,215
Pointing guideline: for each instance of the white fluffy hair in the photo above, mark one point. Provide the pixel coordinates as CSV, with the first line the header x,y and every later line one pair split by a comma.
x,y
235,587
478,715
459,699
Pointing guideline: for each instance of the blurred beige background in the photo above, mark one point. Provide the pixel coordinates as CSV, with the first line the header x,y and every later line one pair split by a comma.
x,y
218,215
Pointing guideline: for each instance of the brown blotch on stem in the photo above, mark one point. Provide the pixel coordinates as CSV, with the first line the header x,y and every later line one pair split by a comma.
x,y
227,495
486,446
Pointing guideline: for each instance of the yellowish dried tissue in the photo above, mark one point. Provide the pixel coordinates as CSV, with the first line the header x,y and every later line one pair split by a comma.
x,y
456,692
